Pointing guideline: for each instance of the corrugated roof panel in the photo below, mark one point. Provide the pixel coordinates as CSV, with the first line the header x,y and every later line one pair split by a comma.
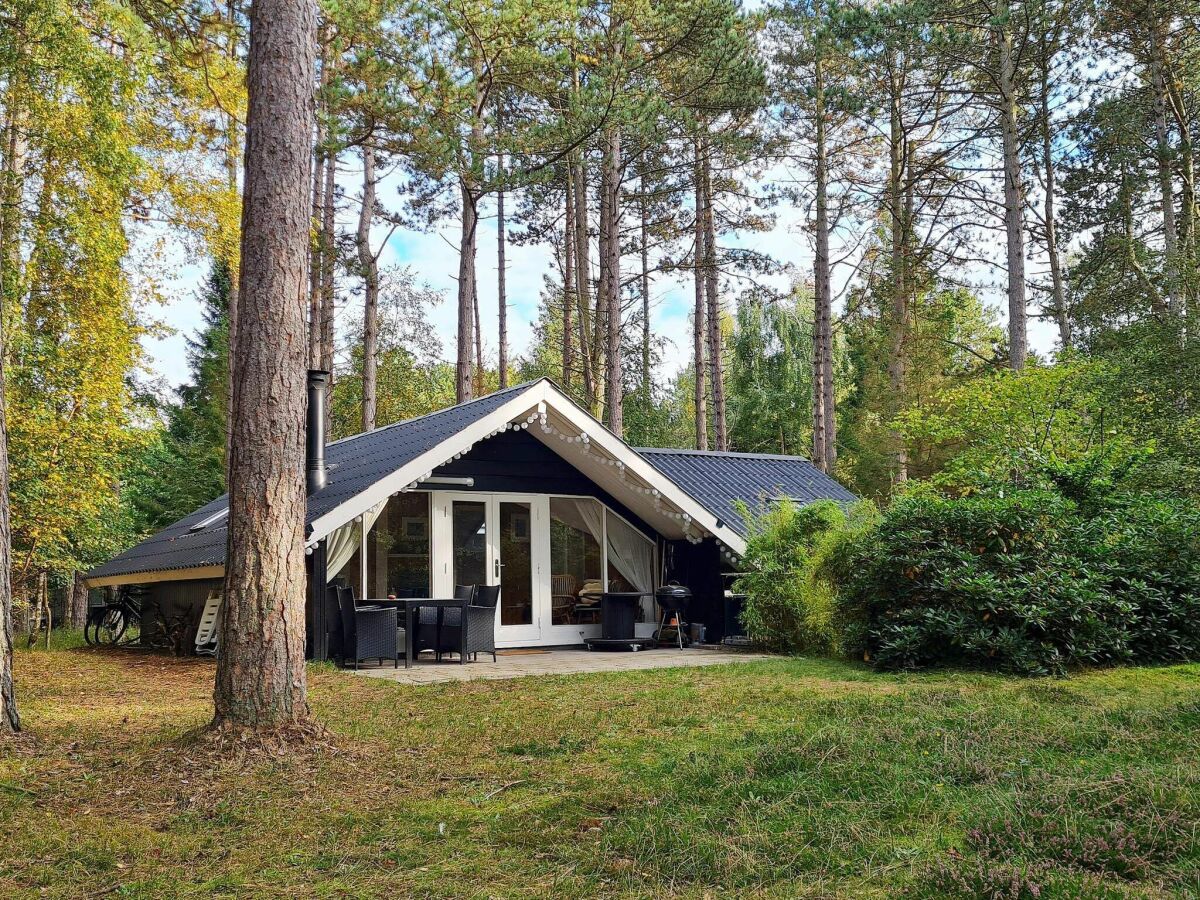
x,y
354,464
715,480
720,480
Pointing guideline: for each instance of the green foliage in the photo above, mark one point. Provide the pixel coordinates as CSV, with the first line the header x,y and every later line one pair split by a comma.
x,y
1030,580
789,552
953,341
770,376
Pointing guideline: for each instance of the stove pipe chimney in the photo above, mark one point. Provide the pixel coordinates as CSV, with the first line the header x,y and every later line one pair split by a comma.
x,y
315,448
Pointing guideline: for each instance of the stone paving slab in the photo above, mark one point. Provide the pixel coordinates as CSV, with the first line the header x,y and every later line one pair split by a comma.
x,y
558,662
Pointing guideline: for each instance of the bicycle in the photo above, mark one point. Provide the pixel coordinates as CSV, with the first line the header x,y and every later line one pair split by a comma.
x,y
107,624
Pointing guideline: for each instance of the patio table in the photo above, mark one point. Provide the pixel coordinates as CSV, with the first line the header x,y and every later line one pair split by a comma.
x,y
409,606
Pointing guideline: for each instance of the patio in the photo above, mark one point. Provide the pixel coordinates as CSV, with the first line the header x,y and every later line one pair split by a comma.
x,y
524,663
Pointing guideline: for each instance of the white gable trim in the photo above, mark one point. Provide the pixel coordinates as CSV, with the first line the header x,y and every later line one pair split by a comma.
x,y
518,408
413,471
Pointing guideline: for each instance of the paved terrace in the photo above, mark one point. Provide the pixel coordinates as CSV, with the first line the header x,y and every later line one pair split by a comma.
x,y
523,663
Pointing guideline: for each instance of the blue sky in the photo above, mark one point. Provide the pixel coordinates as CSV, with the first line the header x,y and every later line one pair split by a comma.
x,y
433,256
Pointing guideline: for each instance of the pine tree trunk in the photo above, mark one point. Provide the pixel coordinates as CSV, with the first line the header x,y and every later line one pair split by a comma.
x,y
501,291
261,678
822,307
1164,154
583,284
464,383
699,331
610,275
645,285
898,350
328,284
716,354
568,282
1058,290
370,275
1014,225
478,340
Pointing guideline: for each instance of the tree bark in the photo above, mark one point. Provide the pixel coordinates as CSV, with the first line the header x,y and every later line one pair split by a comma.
x,y
583,284
898,350
464,383
716,354
1165,159
1058,290
370,275
568,281
501,290
77,602
645,290
261,679
823,397
610,275
1014,225
699,332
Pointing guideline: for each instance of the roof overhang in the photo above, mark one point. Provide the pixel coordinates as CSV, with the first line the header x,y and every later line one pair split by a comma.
x,y
557,421
194,574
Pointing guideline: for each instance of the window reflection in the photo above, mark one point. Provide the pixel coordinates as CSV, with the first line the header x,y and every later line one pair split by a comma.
x,y
576,529
398,549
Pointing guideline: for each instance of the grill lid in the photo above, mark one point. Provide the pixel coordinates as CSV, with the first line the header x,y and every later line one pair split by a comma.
x,y
674,591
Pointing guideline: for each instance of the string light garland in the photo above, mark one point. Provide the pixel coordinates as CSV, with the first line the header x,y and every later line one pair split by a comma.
x,y
583,441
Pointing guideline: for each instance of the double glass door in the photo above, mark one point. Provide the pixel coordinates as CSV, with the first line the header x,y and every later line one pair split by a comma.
x,y
487,539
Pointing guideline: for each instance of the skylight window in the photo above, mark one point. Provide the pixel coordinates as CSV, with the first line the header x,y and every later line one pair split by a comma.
x,y
211,520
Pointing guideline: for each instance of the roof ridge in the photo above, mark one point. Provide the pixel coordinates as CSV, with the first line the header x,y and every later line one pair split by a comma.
x,y
737,455
513,388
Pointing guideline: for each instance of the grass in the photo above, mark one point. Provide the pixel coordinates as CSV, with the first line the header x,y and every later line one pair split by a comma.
x,y
787,778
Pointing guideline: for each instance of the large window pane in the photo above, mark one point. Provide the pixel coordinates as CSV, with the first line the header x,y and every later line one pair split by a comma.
x,y
576,560
470,542
398,549
516,561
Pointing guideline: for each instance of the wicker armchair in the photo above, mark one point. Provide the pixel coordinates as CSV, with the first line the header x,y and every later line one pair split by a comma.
x,y
433,622
367,632
480,624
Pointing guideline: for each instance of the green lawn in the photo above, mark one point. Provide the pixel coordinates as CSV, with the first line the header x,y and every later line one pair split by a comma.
x,y
768,779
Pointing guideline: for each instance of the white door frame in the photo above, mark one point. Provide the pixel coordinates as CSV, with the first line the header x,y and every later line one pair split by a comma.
x,y
442,549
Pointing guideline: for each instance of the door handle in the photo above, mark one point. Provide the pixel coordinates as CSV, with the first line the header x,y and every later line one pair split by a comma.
x,y
498,566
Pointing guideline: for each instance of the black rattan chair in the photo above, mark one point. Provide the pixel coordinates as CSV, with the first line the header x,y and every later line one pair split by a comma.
x,y
481,622
433,622
367,632
481,625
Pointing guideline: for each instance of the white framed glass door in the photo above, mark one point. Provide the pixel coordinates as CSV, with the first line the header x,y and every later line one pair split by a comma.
x,y
496,539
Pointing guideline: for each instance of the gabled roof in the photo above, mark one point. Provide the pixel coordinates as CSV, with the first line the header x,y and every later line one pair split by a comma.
x,y
721,480
678,491
353,465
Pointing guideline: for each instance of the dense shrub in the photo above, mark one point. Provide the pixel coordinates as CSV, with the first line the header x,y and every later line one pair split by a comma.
x,y
1024,580
788,559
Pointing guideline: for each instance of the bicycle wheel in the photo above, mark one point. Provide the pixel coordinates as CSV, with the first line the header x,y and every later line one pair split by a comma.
x,y
111,626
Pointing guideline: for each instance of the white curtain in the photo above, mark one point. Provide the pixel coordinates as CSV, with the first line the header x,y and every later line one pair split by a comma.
x,y
631,554
343,542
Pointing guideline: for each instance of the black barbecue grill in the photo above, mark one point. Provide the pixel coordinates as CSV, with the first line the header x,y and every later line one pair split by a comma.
x,y
673,600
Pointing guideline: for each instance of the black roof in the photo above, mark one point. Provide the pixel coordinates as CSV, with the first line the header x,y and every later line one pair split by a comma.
x,y
715,480
353,464
719,480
